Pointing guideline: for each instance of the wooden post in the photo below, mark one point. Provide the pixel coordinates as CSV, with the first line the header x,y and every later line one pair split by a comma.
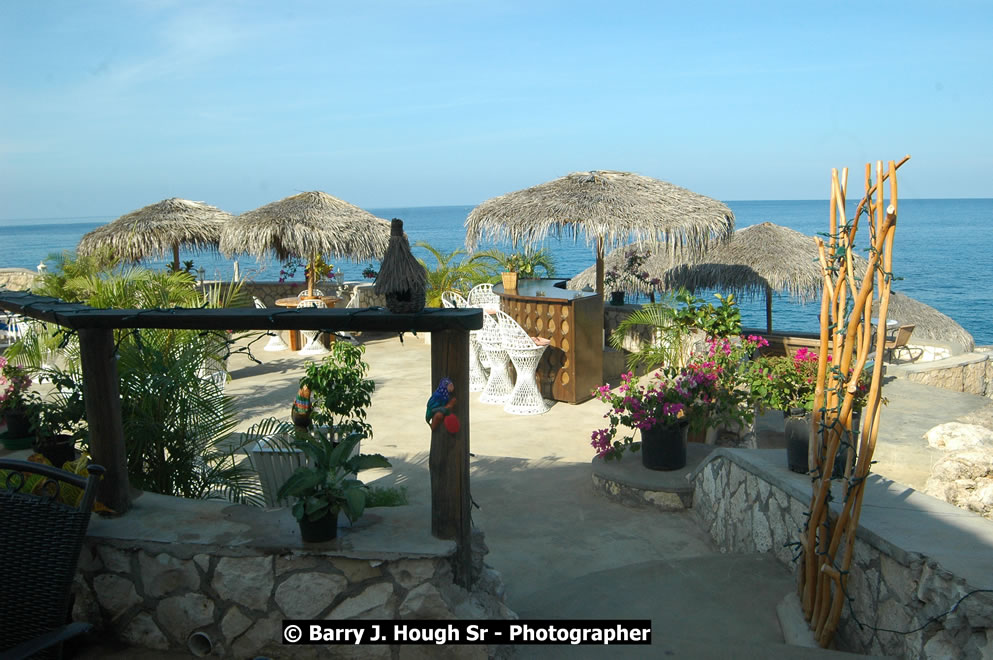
x,y
768,309
449,459
103,415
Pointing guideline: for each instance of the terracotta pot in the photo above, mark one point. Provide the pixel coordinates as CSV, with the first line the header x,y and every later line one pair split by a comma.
x,y
664,447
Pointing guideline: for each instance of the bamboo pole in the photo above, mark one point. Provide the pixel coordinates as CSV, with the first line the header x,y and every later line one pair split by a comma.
x,y
822,581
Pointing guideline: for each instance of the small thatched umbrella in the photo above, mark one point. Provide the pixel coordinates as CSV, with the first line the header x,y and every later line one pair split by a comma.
x,y
308,225
929,322
402,279
610,208
760,258
158,228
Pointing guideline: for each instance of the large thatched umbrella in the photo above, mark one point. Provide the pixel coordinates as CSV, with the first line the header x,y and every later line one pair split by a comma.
x,y
610,208
158,228
929,322
308,225
759,259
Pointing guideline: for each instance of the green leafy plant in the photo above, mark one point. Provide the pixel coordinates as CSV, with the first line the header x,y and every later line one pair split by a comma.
x,y
177,420
716,321
386,496
666,341
340,390
328,484
528,263
454,271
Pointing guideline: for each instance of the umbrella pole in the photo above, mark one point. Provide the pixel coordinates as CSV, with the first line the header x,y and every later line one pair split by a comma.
x,y
175,257
768,308
599,265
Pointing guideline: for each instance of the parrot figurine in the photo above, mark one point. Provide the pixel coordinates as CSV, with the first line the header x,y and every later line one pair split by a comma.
x,y
300,413
440,406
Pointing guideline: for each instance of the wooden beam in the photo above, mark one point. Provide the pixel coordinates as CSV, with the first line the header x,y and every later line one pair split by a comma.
x,y
373,319
449,459
101,393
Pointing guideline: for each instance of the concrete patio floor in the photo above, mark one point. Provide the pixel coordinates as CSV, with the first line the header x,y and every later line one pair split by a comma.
x,y
564,552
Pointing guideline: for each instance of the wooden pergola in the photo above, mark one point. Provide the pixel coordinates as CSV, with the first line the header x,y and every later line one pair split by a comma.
x,y
449,328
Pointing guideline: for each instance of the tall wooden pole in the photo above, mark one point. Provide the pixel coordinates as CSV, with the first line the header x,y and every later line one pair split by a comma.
x,y
98,359
449,459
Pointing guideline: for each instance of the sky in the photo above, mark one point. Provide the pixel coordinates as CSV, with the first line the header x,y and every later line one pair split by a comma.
x,y
108,106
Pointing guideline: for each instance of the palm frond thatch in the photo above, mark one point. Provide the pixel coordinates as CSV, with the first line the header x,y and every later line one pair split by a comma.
x,y
400,271
757,258
157,229
929,322
616,207
307,224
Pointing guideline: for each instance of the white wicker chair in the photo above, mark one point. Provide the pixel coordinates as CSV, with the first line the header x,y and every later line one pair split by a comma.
x,y
453,299
482,295
477,370
525,353
498,386
305,292
313,345
276,342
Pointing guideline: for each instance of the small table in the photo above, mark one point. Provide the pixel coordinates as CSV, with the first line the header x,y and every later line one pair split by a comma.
x,y
329,301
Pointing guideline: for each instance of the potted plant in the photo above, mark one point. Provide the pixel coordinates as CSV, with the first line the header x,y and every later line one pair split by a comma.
x,y
333,397
327,484
662,410
15,395
59,421
340,391
787,384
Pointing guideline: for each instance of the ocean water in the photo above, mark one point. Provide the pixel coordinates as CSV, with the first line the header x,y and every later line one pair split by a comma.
x,y
943,252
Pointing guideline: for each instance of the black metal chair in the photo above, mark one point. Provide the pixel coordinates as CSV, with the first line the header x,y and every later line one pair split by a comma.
x,y
40,540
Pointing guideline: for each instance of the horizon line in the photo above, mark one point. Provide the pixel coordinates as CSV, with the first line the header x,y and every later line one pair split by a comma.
x,y
436,206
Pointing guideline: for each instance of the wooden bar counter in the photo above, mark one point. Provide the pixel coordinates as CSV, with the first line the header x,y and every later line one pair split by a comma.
x,y
572,366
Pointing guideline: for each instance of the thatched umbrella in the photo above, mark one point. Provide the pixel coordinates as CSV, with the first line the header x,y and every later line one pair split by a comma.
x,y
610,208
158,228
308,225
929,322
760,258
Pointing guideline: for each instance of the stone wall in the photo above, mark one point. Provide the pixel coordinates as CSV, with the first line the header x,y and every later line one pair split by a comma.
x,y
971,373
216,587
17,279
749,502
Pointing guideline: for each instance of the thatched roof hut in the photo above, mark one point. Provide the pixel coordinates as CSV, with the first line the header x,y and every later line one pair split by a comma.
x,y
929,322
307,224
610,208
156,229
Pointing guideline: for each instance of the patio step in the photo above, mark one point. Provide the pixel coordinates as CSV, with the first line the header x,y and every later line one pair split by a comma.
x,y
717,606
628,482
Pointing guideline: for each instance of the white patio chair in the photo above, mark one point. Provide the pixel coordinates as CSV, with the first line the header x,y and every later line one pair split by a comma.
x,y
276,342
482,295
305,292
498,386
525,352
453,299
313,345
477,370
